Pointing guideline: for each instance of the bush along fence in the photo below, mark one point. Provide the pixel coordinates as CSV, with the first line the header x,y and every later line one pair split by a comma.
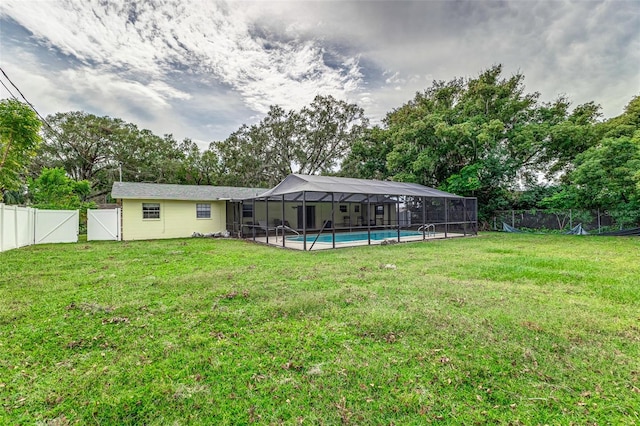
x,y
593,221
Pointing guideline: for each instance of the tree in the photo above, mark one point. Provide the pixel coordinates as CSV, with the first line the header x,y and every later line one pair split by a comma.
x,y
626,124
310,141
607,176
78,142
96,149
146,157
197,167
475,137
483,137
19,140
244,160
329,127
367,158
569,137
53,189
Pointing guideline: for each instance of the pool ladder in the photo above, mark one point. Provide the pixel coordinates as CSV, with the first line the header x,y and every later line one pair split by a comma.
x,y
426,227
285,228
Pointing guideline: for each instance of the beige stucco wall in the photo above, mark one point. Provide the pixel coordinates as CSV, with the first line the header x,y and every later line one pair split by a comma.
x,y
177,219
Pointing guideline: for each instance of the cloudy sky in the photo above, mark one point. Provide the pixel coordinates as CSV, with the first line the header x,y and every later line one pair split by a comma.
x,y
202,68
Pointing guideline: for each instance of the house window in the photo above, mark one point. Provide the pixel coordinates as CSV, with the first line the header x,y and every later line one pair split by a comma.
x,y
247,210
151,210
203,211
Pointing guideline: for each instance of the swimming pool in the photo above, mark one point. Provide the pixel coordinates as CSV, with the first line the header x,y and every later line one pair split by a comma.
x,y
349,237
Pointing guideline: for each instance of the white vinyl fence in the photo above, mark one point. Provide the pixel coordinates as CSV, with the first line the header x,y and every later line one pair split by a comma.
x,y
23,226
16,227
103,224
57,226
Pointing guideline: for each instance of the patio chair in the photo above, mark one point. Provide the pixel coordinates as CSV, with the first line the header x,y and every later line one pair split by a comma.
x,y
261,227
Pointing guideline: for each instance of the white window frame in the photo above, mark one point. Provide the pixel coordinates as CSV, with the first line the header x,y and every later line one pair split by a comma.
x,y
149,211
198,210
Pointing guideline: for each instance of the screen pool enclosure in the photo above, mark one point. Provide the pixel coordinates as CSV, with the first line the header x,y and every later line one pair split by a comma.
x,y
319,212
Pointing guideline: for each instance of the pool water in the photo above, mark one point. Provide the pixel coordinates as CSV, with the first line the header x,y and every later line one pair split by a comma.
x,y
349,237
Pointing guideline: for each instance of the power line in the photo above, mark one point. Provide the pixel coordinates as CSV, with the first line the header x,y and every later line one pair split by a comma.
x,y
60,137
27,102
5,86
25,99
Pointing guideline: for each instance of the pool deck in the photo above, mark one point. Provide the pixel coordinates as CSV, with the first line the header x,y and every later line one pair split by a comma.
x,y
298,245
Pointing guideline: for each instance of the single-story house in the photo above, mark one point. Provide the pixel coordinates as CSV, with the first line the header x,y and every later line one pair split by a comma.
x,y
302,211
155,211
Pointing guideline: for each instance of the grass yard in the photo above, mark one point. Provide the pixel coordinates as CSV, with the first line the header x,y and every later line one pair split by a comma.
x,y
502,328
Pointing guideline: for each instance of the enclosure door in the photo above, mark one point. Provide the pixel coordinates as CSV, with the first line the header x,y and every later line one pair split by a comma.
x,y
311,217
379,214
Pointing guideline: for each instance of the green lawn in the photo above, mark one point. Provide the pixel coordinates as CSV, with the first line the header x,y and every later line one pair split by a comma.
x,y
502,328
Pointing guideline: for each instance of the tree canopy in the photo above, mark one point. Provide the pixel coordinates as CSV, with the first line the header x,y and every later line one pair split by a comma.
x,y
54,189
607,175
483,136
19,140
310,141
97,149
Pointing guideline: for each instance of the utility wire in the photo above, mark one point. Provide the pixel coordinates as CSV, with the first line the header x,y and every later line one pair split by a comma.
x,y
28,103
25,99
5,86
60,137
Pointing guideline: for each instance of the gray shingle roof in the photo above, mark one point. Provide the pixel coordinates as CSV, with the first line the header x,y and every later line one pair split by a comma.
x,y
161,191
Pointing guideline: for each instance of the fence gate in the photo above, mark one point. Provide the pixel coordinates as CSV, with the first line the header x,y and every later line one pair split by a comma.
x,y
56,226
103,224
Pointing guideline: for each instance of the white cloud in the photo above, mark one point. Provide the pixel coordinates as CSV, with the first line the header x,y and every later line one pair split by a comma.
x,y
147,39
97,86
194,68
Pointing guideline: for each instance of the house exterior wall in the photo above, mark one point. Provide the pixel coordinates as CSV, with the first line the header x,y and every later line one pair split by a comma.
x,y
323,212
177,219
348,218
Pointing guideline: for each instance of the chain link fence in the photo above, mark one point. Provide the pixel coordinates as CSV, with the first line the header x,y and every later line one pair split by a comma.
x,y
593,221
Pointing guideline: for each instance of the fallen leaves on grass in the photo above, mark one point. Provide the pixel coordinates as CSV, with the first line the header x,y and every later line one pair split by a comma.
x,y
343,411
89,307
75,344
390,338
115,320
183,391
290,365
531,326
233,294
